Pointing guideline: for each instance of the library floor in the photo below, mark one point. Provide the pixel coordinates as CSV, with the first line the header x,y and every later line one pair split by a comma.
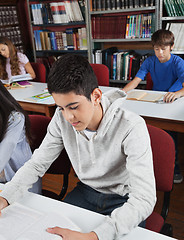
x,y
176,212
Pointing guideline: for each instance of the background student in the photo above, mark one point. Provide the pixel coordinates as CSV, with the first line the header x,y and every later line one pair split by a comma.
x,y
108,146
166,69
167,73
14,138
13,62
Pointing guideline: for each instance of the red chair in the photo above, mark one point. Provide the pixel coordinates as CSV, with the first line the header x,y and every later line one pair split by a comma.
x,y
149,82
61,165
102,73
163,149
40,71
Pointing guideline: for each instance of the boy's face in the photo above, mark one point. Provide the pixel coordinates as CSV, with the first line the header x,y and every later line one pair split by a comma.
x,y
163,53
79,111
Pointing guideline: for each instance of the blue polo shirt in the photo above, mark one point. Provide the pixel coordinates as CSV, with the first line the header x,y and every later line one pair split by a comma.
x,y
167,76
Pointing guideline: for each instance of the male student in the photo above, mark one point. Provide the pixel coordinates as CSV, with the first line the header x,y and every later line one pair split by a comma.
x,y
109,148
167,73
166,69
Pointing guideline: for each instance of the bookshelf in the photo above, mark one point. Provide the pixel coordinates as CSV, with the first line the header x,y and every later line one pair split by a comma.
x,y
108,27
56,28
171,17
13,15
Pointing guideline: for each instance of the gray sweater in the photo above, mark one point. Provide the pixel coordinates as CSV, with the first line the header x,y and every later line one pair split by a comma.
x,y
117,159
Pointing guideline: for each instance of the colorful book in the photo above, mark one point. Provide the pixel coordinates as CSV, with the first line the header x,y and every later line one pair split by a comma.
x,y
40,97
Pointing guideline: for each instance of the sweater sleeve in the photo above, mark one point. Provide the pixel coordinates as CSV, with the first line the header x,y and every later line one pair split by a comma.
x,y
141,184
36,167
11,138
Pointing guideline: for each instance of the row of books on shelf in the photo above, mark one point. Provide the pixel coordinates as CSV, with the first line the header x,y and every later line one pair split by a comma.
x,y
56,12
122,65
174,8
102,5
140,26
177,29
13,33
8,15
120,27
70,39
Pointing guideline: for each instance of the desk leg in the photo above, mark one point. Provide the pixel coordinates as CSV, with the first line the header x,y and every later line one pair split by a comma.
x,y
49,111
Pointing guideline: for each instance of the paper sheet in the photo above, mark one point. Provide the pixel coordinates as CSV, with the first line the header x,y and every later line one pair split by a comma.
x,y
21,223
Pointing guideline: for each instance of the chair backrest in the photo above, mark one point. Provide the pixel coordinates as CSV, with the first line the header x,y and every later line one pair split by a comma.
x,y
40,71
149,82
102,73
62,164
39,125
163,149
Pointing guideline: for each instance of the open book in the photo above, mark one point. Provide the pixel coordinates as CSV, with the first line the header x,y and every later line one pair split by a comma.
x,y
17,78
18,222
145,96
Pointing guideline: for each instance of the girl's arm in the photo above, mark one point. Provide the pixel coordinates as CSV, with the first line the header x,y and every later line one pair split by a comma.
x,y
11,138
30,70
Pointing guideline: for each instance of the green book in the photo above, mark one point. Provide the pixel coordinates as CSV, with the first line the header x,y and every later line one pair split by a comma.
x,y
181,6
168,10
177,8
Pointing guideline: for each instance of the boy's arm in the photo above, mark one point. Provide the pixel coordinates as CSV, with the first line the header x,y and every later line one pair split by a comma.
x,y
131,85
72,235
144,69
171,96
3,203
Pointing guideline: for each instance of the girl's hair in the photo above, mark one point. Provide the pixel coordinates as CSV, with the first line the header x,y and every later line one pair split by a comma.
x,y
7,105
14,61
162,37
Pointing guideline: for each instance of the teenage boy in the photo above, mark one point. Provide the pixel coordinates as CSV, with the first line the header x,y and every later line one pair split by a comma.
x,y
167,73
109,149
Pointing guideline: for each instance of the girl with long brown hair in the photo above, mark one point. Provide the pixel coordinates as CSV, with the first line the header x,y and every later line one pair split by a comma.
x,y
13,62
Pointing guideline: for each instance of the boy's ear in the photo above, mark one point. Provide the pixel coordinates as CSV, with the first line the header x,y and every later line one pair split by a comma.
x,y
96,96
172,47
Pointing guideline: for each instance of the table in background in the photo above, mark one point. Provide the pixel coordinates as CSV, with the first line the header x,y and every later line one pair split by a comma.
x,y
46,106
168,116
86,220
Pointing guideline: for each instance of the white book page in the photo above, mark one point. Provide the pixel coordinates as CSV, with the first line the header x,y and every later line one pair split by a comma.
x,y
17,78
21,223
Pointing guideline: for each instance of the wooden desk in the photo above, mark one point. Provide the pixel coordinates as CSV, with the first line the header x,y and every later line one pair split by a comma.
x,y
84,219
168,116
47,106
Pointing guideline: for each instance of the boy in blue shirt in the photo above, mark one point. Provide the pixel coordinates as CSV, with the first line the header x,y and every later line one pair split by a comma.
x,y
167,73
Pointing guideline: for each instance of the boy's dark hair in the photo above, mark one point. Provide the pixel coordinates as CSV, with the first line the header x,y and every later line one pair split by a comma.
x,y
162,37
72,73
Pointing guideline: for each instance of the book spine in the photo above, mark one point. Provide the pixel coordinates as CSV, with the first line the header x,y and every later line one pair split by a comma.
x,y
55,12
115,66
53,41
69,37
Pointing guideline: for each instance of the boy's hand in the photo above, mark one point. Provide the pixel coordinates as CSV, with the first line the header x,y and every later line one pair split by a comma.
x,y
67,234
3,203
170,97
